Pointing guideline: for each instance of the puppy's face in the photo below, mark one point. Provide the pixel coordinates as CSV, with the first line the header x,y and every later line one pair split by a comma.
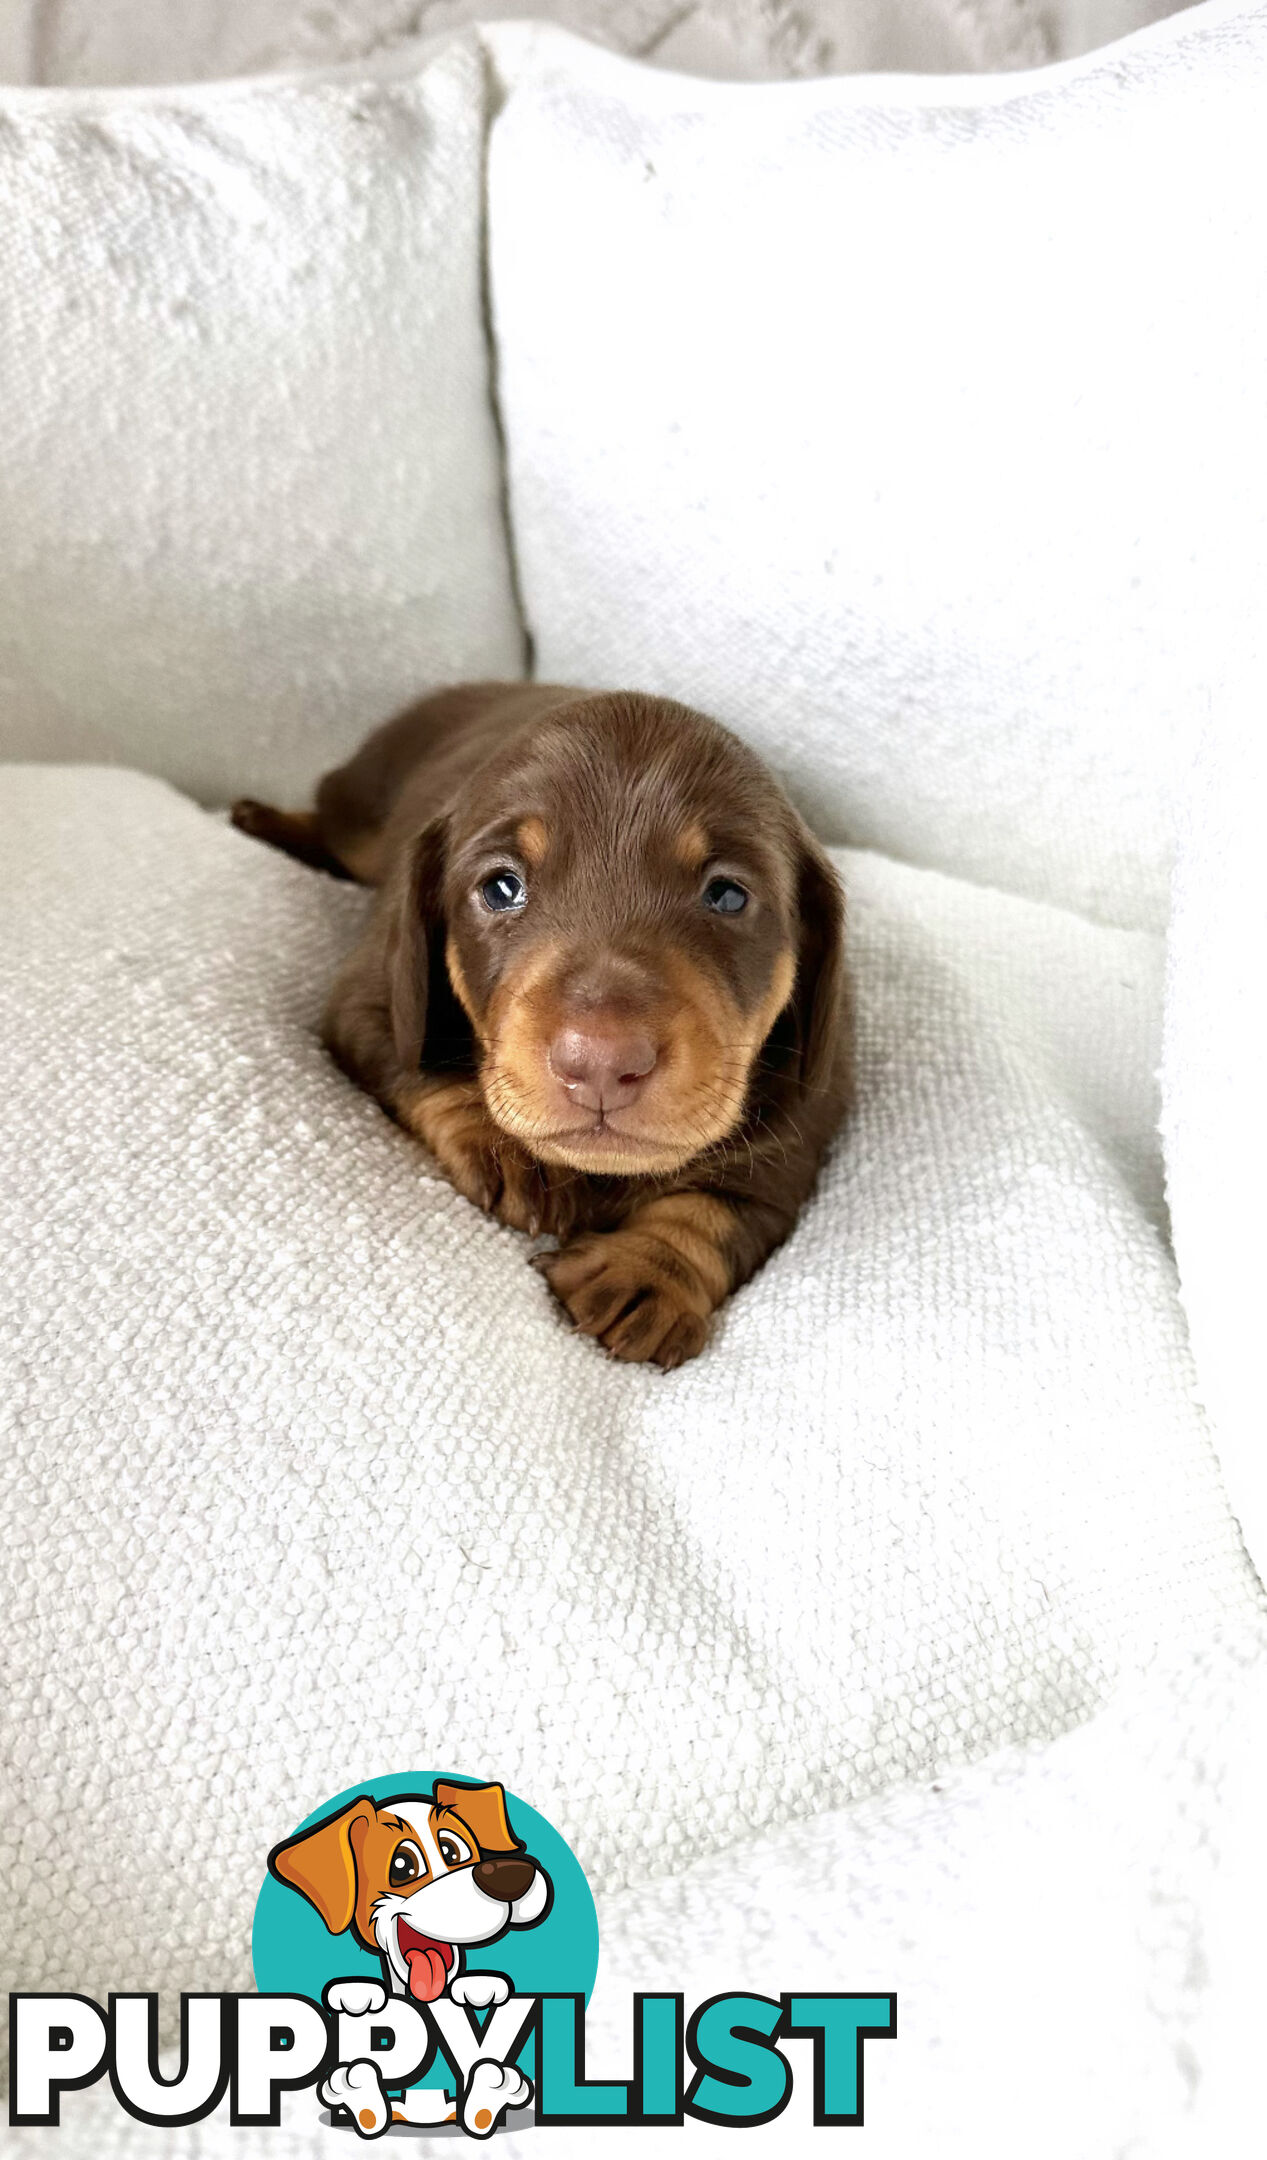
x,y
417,1878
621,899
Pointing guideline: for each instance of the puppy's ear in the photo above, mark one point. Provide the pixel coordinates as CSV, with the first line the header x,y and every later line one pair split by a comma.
x,y
415,943
321,1864
819,996
483,1809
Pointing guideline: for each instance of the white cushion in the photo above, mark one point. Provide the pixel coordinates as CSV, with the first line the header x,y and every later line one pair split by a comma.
x,y
1215,1056
1115,1879
912,426
308,1478
249,477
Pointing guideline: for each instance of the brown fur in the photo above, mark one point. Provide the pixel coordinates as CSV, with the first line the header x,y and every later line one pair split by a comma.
x,y
615,810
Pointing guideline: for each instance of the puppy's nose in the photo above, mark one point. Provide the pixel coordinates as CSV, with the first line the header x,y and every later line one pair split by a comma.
x,y
602,1068
505,1875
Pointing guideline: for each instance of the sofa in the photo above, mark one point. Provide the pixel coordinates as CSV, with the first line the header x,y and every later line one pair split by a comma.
x,y
912,1637
78,42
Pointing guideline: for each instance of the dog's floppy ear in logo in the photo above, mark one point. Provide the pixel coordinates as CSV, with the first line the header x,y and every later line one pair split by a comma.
x,y
483,1807
321,1864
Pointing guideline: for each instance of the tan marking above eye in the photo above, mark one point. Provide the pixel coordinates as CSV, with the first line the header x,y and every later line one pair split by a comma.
x,y
533,840
692,846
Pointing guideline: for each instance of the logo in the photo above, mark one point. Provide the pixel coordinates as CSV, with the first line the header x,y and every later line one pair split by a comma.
x,y
424,1948
437,1911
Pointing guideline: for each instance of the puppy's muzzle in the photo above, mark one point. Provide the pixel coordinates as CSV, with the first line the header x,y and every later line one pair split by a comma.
x,y
507,1876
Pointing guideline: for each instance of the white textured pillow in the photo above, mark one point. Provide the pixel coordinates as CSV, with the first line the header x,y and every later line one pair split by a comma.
x,y
305,1474
914,427
1212,1089
250,488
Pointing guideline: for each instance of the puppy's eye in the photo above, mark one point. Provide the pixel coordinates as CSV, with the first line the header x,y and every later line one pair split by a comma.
x,y
453,1849
724,897
503,892
406,1866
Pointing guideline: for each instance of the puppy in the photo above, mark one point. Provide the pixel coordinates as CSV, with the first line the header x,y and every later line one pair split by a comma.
x,y
603,982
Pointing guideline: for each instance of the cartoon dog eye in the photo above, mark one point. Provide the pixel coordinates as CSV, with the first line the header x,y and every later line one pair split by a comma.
x,y
407,1864
453,1849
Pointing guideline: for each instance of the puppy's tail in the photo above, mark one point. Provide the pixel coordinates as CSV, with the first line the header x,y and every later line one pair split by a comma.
x,y
295,832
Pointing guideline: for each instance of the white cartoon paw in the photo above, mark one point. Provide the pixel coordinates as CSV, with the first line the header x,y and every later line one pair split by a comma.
x,y
356,1998
492,2088
358,2087
480,1990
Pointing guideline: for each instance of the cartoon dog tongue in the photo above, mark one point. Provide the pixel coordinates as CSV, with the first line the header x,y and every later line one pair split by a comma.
x,y
427,1971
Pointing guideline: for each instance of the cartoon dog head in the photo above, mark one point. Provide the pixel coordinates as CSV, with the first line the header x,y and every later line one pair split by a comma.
x,y
417,1878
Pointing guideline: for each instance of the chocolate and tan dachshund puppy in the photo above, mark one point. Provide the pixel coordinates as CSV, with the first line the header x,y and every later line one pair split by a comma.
x,y
603,981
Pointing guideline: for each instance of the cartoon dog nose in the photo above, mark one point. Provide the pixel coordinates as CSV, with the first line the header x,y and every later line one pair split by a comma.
x,y
602,1068
505,1875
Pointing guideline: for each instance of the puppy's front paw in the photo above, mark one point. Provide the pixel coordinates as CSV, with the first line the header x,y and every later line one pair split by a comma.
x,y
640,1300
492,2088
484,1163
451,1118
522,1193
532,1197
355,1998
358,2087
482,1990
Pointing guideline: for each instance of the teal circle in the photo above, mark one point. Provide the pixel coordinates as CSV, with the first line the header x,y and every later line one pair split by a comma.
x,y
294,1953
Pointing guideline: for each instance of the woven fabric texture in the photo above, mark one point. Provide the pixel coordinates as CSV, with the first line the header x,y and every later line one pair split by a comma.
x,y
249,477
308,1478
